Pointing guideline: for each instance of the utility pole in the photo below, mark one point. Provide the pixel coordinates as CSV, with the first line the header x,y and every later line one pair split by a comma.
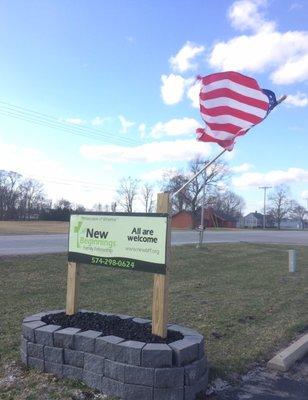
x,y
264,205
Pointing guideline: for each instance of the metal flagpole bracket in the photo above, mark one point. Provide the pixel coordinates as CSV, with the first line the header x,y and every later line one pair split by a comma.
x,y
282,98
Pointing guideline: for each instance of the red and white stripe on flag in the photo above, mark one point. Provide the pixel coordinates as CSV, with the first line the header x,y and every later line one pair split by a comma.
x,y
230,104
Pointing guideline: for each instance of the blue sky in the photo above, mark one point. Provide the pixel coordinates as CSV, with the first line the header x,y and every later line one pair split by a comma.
x,y
126,69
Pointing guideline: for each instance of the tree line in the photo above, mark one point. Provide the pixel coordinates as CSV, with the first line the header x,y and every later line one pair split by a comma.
x,y
225,202
24,199
282,206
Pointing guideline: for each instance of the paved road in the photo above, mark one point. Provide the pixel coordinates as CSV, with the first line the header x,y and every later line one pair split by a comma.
x,y
32,244
251,236
40,244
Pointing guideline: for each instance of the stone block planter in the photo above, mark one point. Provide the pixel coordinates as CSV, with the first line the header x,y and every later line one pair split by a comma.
x,y
129,369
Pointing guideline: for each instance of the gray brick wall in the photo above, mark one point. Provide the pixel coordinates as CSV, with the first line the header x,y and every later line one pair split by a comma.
x,y
130,370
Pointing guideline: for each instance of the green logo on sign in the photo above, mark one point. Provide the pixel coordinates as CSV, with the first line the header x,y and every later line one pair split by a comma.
x,y
77,230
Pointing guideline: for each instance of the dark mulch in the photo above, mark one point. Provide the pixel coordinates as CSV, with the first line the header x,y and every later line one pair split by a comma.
x,y
110,325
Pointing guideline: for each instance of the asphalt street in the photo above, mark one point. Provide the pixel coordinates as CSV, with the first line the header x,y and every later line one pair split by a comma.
x,y
40,244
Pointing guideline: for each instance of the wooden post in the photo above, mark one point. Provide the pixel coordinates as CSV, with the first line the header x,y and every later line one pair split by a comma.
x,y
72,288
161,282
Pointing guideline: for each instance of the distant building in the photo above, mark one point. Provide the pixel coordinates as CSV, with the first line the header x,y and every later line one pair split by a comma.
x,y
185,220
288,223
251,220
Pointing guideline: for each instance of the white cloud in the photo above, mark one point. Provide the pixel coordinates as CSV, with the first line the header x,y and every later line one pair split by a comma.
x,y
272,178
28,161
285,54
295,6
304,195
175,86
183,60
298,100
97,121
193,94
157,174
294,70
125,124
74,121
175,127
57,180
172,89
142,130
241,168
296,128
246,14
260,51
177,150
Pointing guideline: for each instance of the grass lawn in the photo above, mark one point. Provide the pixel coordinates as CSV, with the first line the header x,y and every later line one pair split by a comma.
x,y
32,227
240,296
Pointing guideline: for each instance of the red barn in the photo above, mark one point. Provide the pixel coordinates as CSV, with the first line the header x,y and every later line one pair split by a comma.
x,y
185,220
182,220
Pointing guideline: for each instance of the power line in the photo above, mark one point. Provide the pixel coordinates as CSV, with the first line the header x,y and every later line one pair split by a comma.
x,y
49,121
71,182
26,112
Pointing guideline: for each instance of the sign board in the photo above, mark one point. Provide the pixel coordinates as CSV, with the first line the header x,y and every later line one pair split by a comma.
x,y
134,241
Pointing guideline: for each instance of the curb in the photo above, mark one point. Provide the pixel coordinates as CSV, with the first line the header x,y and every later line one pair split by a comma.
x,y
287,357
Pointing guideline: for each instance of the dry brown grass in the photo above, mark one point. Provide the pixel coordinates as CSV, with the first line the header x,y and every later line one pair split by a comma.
x,y
32,227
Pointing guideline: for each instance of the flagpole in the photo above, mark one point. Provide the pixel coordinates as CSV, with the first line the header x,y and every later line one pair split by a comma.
x,y
202,227
198,173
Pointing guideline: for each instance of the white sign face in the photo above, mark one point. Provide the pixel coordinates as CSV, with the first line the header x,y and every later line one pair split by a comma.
x,y
127,241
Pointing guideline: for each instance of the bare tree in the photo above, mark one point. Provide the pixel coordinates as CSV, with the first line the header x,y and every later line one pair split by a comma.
x,y
113,207
172,182
24,199
298,212
147,197
32,197
101,207
64,204
227,203
79,208
215,174
127,193
97,207
280,204
190,197
9,193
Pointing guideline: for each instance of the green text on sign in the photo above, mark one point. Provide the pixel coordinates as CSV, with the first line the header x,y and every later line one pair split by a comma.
x,y
126,241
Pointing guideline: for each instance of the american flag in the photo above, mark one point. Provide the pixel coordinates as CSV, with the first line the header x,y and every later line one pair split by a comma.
x,y
230,104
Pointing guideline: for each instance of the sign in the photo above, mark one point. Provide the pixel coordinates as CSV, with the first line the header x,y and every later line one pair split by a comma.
x,y
119,240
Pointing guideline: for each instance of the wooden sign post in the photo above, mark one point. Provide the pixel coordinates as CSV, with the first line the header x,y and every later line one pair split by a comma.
x,y
72,288
161,282
130,241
